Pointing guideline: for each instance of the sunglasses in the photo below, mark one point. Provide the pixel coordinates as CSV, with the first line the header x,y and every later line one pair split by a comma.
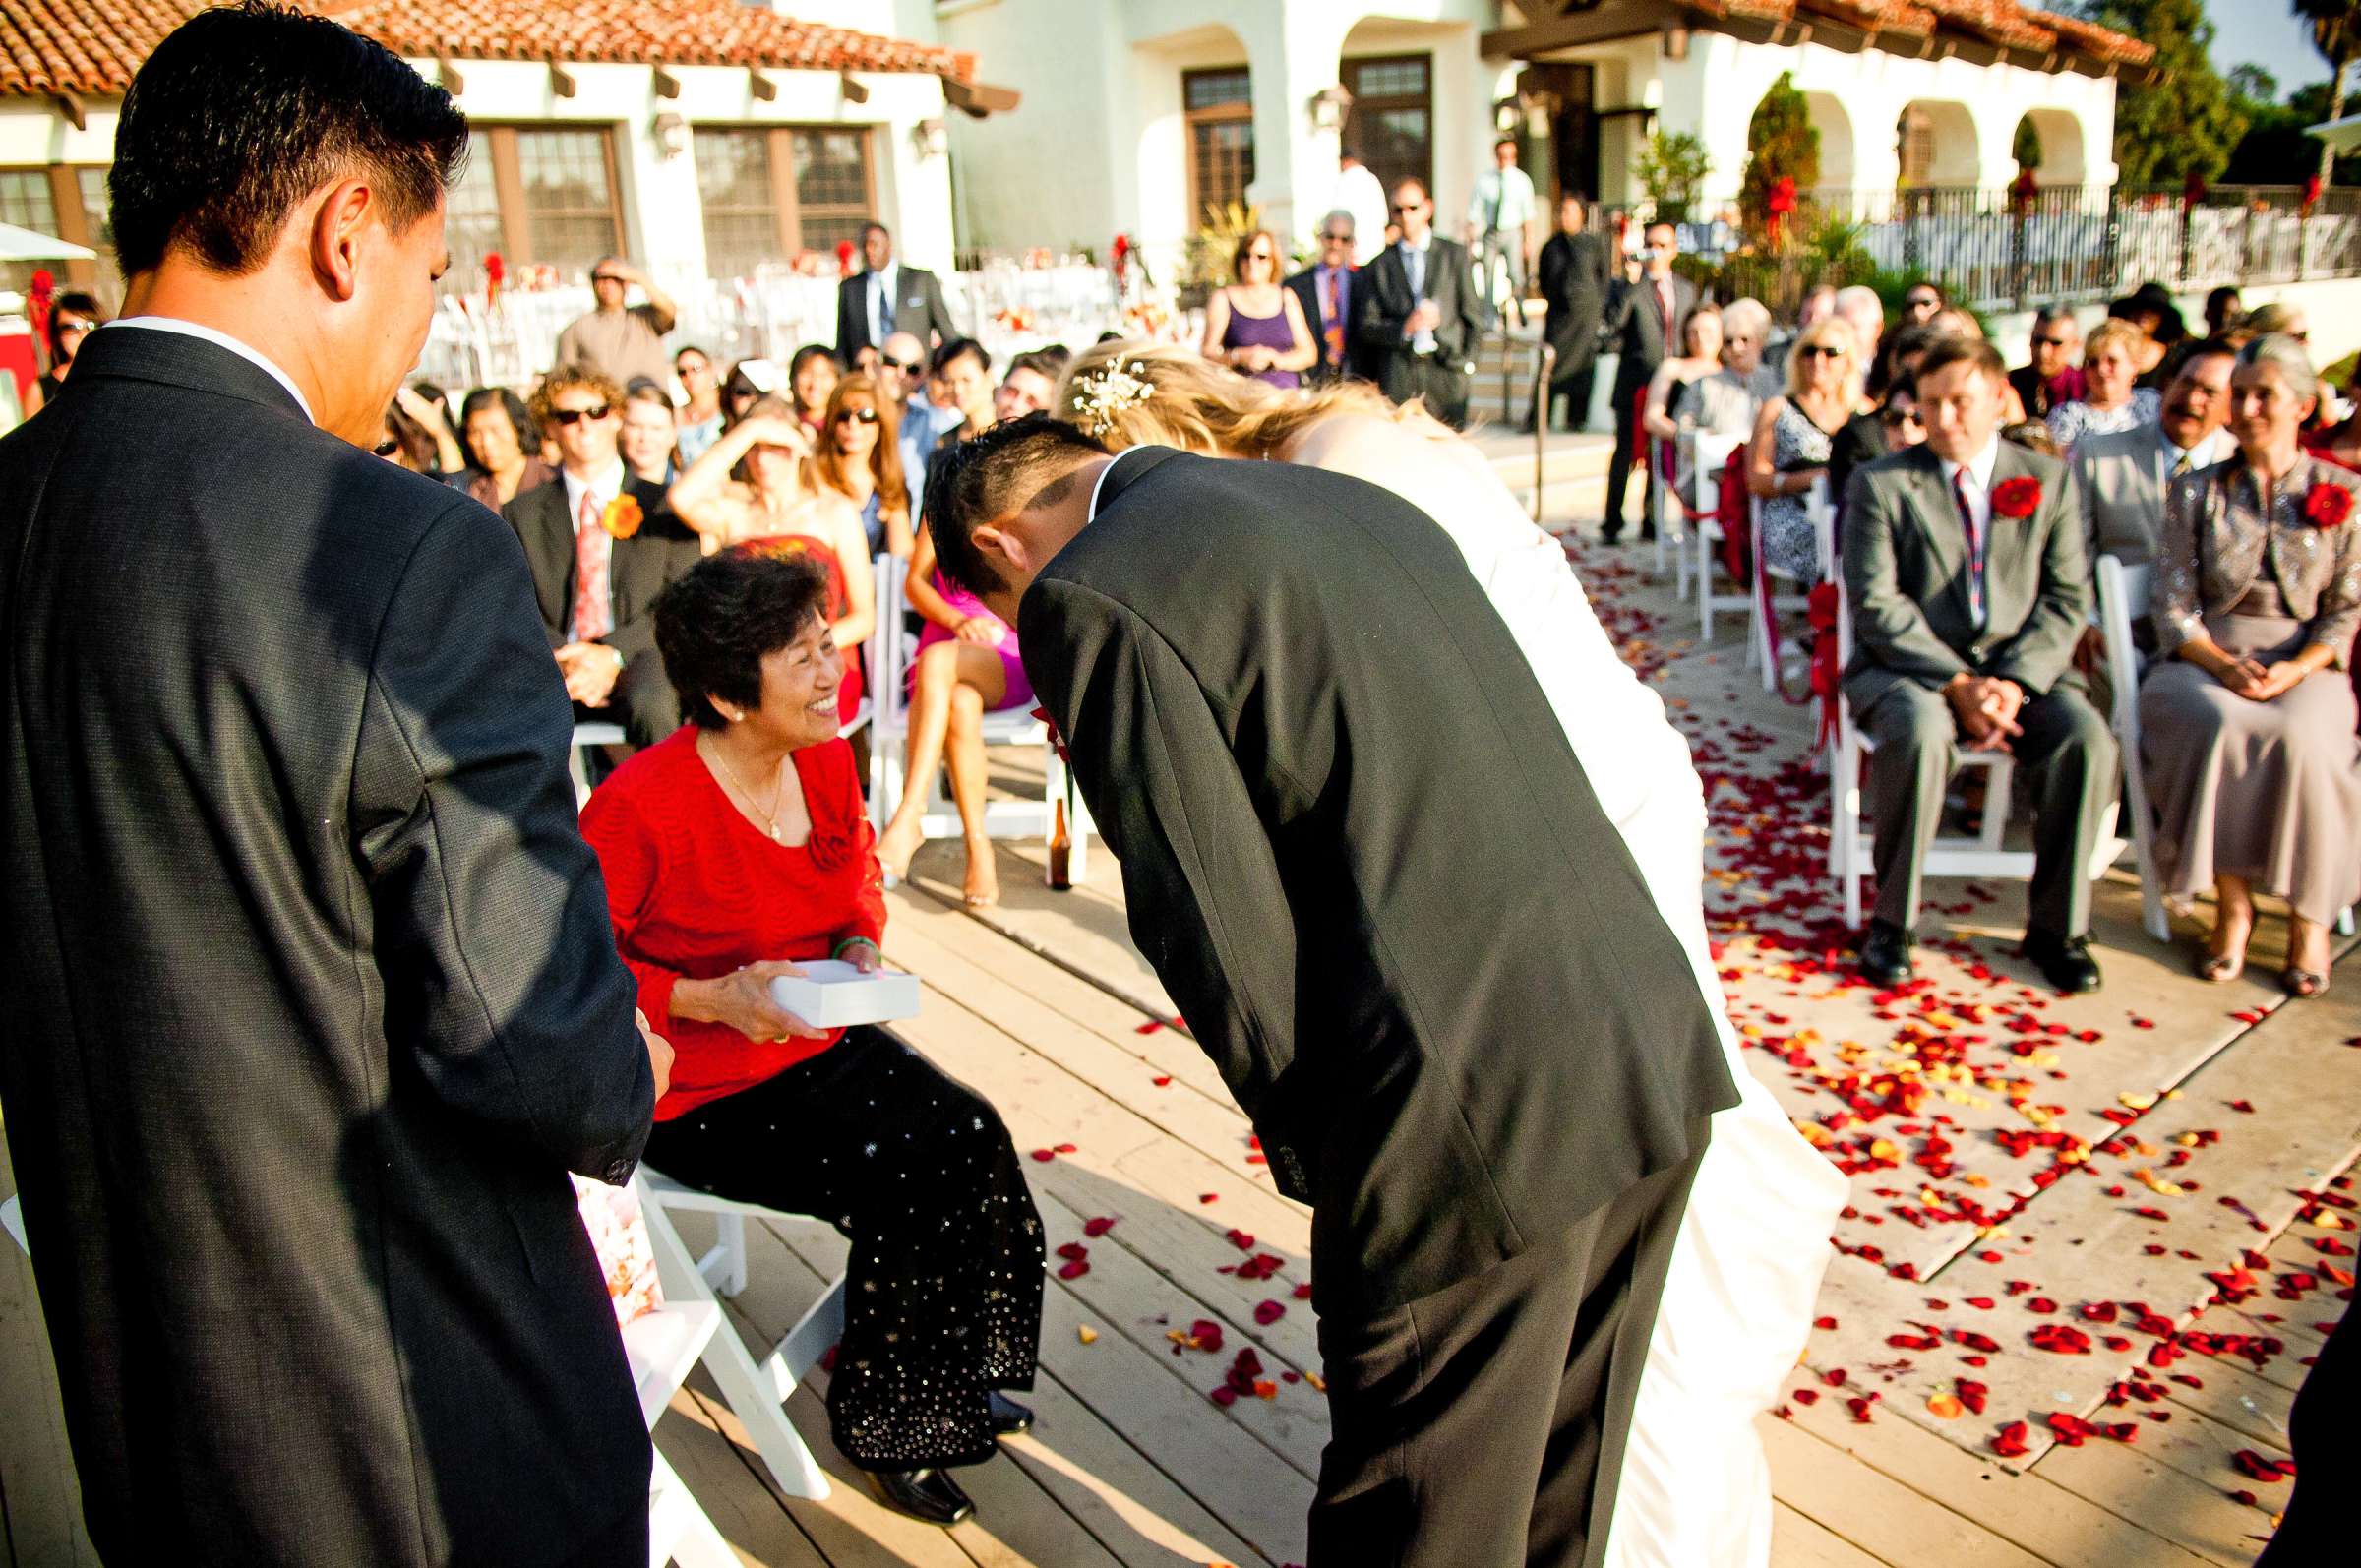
x,y
905,366
1896,418
68,323
687,371
386,447
1923,302
1819,351
859,416
604,278
2055,342
571,416
1414,207
1336,239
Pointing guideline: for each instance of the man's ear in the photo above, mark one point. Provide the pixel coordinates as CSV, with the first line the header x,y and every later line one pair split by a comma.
x,y
337,228
1003,548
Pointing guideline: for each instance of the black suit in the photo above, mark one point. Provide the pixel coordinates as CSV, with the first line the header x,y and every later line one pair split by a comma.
x,y
1385,303
311,998
1574,278
1389,905
1359,362
1639,329
918,309
640,568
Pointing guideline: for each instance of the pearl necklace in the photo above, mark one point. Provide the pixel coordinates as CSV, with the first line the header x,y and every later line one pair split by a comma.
x,y
770,823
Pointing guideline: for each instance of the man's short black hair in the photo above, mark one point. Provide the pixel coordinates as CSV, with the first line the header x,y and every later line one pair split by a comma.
x,y
956,351
722,616
872,226
244,112
1050,362
995,475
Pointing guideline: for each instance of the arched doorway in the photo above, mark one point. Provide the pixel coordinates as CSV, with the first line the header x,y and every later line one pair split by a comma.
x,y
1936,145
2050,143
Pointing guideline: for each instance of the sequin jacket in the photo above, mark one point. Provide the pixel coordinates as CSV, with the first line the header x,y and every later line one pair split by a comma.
x,y
2216,541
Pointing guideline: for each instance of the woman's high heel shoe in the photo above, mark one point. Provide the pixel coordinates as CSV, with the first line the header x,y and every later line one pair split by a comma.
x,y
2220,968
2303,984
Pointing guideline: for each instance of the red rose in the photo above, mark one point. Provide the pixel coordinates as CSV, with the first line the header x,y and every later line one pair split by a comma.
x,y
2327,506
2016,498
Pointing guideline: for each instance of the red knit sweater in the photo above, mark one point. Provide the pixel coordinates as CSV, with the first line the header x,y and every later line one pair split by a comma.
x,y
696,890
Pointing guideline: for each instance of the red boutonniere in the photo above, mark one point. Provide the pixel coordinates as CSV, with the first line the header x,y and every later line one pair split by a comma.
x,y
2327,506
623,517
1057,741
2016,498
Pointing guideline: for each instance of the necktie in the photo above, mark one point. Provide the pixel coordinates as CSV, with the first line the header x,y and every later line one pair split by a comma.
x,y
1332,320
1976,547
879,327
1664,300
2181,467
593,552
1499,194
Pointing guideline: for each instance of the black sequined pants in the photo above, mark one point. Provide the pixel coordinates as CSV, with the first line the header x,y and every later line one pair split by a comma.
x,y
942,1296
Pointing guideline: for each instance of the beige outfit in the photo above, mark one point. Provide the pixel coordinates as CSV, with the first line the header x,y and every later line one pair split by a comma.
x,y
623,345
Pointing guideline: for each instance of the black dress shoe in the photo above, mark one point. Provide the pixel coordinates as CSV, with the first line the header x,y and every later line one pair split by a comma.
x,y
1006,1416
1885,955
2064,961
929,1495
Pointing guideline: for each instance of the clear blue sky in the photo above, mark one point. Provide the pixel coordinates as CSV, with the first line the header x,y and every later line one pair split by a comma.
x,y
2264,33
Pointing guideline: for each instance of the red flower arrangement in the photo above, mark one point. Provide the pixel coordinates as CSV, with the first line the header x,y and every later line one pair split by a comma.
x,y
496,272
2327,506
2017,497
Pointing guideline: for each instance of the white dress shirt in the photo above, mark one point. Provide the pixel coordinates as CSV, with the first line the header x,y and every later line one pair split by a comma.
x,y
220,339
1973,480
1101,484
1414,259
1358,193
602,488
2214,449
880,296
1503,201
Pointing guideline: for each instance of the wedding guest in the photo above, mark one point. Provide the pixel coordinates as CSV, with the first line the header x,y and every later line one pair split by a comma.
x,y
1906,350
1500,209
959,380
1819,304
1360,193
2031,435
73,316
1029,385
1574,279
620,342
1875,429
749,381
406,443
1921,302
1420,318
701,416
504,449
2122,476
2110,400
2223,306
2277,320
1700,357
1256,326
902,363
1963,561
311,1000
1642,327
1865,314
649,432
734,853
782,506
2052,376
1789,449
601,544
883,298
1726,400
1324,294
811,375
2247,729
860,458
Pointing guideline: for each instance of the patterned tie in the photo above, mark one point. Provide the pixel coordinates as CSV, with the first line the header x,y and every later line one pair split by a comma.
x,y
1975,546
2181,467
593,551
1332,320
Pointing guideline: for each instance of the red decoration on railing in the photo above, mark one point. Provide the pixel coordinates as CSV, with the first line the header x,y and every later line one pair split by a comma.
x,y
1122,257
39,292
844,258
2311,195
2022,192
1827,675
496,272
1782,202
2192,190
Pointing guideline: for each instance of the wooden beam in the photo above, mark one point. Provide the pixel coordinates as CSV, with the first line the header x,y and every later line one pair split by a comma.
x,y
448,76
980,98
666,83
761,87
850,86
72,107
561,81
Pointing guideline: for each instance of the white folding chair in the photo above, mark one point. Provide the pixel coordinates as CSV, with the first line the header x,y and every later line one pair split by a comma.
x,y
577,761
897,653
1710,455
1762,603
755,1390
1671,526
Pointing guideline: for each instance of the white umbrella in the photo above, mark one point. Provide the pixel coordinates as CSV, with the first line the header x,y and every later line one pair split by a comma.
x,y
2342,135
29,244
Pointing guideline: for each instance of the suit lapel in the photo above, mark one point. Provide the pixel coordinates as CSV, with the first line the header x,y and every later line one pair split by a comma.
x,y
2010,540
1129,467
549,545
1938,514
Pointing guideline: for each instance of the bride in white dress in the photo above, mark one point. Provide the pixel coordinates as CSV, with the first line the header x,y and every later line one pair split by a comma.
x,y
1695,1490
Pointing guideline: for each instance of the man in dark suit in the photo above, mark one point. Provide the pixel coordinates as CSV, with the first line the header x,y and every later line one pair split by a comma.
x,y
1385,992
602,544
1963,561
1574,277
1420,316
310,995
1325,292
886,298
1645,329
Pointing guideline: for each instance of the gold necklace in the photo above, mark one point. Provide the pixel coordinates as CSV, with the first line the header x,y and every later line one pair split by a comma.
x,y
770,818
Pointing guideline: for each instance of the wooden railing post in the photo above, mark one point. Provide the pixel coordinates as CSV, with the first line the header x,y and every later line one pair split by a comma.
x,y
1544,361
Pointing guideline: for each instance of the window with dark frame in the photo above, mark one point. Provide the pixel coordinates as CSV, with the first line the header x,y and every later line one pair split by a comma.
x,y
1392,118
1219,107
771,190
67,202
539,195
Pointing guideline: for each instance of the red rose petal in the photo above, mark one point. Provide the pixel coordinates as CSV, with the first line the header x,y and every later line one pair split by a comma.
x,y
1268,1312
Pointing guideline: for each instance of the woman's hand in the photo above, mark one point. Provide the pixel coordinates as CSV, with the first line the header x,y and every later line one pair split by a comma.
x,y
420,407
771,430
742,1001
863,954
981,630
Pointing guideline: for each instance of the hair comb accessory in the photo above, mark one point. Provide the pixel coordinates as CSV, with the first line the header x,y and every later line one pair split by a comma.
x,y
1102,394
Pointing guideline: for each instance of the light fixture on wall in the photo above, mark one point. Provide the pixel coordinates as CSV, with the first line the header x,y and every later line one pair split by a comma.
x,y
1506,116
1676,43
930,139
1328,108
671,133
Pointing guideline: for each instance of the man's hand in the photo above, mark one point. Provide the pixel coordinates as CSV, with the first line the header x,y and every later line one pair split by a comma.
x,y
659,1052
1424,319
1985,707
742,1001
591,670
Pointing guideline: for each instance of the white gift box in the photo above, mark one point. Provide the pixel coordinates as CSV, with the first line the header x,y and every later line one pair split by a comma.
x,y
833,995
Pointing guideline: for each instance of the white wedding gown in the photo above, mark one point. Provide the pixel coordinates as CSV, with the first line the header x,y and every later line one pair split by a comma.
x,y
1753,1243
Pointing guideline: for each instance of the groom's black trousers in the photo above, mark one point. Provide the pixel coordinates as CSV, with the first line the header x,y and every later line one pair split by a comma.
x,y
1483,1426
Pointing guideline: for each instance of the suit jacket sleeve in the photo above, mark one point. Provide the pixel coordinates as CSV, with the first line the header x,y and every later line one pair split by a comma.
x,y
848,311
2043,647
1201,878
1379,325
1556,269
1888,627
502,984
1471,306
938,311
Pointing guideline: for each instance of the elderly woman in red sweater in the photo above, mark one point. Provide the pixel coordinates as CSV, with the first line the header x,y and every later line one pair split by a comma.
x,y
733,851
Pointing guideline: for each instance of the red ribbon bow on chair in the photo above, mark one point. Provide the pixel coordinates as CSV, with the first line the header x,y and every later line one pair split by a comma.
x,y
1821,611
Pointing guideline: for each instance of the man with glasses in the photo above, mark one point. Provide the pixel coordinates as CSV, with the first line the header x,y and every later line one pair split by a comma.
x,y
601,545
1419,315
620,343
902,376
1921,304
2123,475
2055,374
1574,288
886,298
1324,290
1646,328
701,418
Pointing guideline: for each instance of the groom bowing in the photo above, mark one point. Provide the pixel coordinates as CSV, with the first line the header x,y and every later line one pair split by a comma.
x,y
1363,856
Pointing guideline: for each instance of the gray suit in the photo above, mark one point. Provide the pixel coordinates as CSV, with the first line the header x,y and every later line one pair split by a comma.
x,y
1907,574
2121,477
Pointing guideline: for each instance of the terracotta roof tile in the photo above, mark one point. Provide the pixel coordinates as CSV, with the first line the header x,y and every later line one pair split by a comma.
x,y
2002,22
93,46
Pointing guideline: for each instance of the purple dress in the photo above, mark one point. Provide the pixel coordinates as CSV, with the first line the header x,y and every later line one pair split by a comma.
x,y
1262,331
1013,665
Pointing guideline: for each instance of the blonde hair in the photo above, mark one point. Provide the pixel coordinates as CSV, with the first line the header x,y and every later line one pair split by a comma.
x,y
1827,329
2113,333
1196,405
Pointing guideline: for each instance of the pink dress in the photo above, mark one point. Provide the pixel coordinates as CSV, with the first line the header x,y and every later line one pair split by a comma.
x,y
1021,690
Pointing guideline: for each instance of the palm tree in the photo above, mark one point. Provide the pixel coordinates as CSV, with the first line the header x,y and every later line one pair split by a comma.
x,y
2336,34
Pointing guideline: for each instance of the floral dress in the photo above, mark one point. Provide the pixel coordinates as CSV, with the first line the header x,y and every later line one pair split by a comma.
x,y
1790,544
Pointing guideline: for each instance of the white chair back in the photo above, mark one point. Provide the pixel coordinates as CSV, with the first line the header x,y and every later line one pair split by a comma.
x,y
1713,452
2124,594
